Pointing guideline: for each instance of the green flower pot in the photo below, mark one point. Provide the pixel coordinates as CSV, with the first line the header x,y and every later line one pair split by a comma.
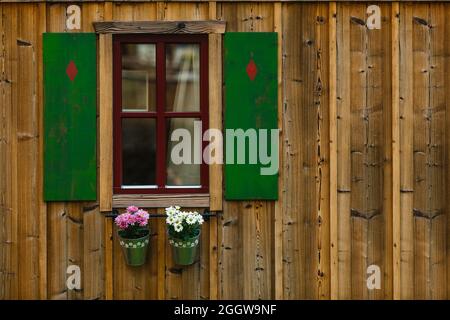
x,y
135,250
184,251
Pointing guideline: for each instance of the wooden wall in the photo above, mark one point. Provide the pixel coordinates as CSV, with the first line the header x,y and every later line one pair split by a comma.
x,y
363,177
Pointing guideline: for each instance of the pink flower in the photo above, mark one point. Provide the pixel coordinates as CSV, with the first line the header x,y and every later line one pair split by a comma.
x,y
132,209
123,220
142,217
133,216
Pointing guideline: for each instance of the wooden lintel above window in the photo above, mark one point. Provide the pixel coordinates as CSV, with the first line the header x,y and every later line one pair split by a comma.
x,y
194,200
160,27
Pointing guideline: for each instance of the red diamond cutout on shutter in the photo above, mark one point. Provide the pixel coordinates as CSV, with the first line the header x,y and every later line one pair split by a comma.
x,y
71,70
251,70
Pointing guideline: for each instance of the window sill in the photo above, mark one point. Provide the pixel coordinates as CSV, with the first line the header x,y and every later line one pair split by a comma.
x,y
191,200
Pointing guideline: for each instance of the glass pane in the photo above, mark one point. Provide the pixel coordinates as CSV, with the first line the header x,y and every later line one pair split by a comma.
x,y
183,77
138,151
138,77
183,167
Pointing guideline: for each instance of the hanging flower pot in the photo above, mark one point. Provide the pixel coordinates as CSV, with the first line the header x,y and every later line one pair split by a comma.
x,y
133,235
184,251
184,231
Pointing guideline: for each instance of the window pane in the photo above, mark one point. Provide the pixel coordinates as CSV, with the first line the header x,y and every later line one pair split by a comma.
x,y
138,77
138,151
182,77
187,173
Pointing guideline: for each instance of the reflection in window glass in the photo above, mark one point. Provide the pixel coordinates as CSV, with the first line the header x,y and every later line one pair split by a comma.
x,y
182,174
182,77
138,151
138,77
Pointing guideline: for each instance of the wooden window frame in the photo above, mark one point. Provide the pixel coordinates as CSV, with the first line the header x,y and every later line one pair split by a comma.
x,y
161,114
107,201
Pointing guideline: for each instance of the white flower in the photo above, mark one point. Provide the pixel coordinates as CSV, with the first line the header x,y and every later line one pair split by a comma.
x,y
178,227
171,220
170,211
190,219
199,219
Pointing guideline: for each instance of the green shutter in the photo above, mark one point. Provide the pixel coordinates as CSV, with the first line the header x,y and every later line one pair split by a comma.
x,y
251,99
70,126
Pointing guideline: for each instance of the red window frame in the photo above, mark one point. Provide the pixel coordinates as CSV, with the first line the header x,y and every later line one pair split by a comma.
x,y
160,114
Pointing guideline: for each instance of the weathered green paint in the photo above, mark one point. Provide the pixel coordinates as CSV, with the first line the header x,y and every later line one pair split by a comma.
x,y
70,125
250,104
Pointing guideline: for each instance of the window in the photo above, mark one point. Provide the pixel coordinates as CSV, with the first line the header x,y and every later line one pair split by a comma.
x,y
160,85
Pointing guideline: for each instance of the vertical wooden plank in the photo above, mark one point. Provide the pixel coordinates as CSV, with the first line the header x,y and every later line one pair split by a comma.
x,y
278,223
105,122
215,170
406,154
109,266
161,252
306,152
421,104
27,153
105,148
145,11
343,151
437,148
215,110
56,212
93,220
361,132
185,10
447,153
42,12
238,249
396,229
364,152
57,251
231,282
9,287
3,163
383,230
75,247
334,269
93,250
429,136
296,238
323,153
3,160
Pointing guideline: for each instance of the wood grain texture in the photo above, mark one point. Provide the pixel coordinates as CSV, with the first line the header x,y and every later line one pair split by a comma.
x,y
306,156
215,170
396,173
161,200
424,224
9,284
364,152
39,241
245,249
334,270
160,27
192,1
40,168
105,122
278,219
215,116
27,154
